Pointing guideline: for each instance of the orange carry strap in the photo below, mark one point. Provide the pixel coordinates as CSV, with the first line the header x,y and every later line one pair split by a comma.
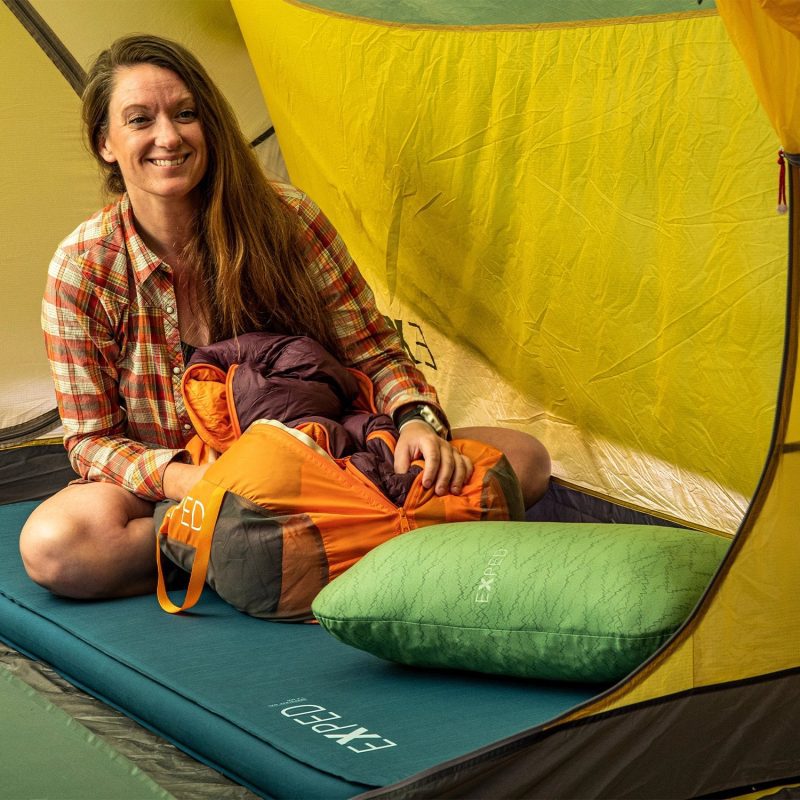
x,y
192,522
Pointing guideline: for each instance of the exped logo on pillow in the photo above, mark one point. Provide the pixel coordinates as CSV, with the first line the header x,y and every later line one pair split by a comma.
x,y
486,587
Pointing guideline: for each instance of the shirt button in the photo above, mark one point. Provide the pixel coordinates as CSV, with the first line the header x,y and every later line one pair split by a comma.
x,y
187,427
169,309
176,370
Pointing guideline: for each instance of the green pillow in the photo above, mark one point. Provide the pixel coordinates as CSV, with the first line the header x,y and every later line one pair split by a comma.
x,y
564,601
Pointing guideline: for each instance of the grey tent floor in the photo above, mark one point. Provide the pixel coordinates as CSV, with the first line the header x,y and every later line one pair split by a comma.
x,y
174,771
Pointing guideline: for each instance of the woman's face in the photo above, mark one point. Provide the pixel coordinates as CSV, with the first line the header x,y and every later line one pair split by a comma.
x,y
154,135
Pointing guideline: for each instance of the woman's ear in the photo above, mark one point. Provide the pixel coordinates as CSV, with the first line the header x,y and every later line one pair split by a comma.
x,y
104,150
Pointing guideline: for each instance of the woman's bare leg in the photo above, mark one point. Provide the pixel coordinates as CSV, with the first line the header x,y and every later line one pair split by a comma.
x,y
91,540
528,457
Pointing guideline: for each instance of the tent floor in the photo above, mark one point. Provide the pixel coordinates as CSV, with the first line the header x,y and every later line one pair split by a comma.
x,y
79,764
180,775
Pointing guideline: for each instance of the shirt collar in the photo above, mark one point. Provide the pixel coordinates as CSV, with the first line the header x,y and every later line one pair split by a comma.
x,y
144,261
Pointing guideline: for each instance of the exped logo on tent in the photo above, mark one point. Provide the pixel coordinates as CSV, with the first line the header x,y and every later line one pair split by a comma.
x,y
483,594
320,720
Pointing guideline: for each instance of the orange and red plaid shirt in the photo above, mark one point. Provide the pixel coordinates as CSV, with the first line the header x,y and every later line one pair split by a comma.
x,y
110,322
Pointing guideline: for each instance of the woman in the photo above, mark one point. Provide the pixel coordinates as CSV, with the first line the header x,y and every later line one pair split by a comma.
x,y
198,248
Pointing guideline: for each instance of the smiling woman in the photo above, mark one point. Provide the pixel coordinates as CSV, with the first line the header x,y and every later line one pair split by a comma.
x,y
200,247
154,136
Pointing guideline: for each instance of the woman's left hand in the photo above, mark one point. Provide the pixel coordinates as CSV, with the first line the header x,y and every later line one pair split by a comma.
x,y
445,468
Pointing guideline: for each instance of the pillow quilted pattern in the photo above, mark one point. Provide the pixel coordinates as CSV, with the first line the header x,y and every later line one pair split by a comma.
x,y
563,601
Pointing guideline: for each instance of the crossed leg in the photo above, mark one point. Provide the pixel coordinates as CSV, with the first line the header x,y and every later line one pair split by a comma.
x,y
91,540
94,540
528,457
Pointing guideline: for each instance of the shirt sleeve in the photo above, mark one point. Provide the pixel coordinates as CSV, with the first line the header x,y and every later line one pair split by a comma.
x,y
369,342
83,352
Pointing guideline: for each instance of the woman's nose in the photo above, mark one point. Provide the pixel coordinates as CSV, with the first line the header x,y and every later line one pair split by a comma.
x,y
167,134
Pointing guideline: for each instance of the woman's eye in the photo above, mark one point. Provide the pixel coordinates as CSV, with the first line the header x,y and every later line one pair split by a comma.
x,y
138,119
187,115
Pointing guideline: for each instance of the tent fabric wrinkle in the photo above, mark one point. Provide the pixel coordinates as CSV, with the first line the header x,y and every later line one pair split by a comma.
x,y
767,36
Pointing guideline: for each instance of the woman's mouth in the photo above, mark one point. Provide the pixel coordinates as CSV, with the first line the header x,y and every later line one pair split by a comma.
x,y
169,162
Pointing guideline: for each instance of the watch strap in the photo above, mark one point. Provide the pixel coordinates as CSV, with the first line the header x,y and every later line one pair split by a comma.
x,y
427,414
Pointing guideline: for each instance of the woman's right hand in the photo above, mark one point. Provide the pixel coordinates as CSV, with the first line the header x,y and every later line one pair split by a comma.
x,y
446,469
179,478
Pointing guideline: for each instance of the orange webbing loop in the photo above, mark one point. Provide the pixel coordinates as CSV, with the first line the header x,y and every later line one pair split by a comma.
x,y
207,504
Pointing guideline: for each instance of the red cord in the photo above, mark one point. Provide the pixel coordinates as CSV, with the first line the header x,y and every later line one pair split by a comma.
x,y
782,183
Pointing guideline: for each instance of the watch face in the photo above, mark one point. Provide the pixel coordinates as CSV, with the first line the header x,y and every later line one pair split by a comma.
x,y
428,416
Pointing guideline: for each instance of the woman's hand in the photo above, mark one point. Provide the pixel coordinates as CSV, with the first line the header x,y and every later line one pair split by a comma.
x,y
179,478
445,467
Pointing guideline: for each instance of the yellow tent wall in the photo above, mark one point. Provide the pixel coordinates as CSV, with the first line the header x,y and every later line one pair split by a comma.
x,y
605,272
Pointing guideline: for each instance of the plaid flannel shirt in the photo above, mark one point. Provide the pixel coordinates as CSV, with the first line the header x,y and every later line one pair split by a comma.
x,y
110,322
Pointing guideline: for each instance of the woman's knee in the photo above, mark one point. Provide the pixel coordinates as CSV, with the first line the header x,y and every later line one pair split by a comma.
x,y
45,543
531,462
534,467
527,456
87,540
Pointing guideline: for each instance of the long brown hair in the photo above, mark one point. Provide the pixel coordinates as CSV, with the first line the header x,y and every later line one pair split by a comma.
x,y
247,249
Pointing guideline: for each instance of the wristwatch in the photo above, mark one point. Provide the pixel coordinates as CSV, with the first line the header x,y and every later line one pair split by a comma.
x,y
424,412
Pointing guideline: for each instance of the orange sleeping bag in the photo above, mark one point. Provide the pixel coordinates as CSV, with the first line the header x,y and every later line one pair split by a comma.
x,y
299,496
